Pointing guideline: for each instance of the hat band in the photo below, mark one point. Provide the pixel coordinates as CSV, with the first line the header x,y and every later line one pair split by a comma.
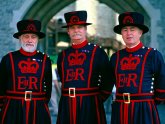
x,y
29,30
75,23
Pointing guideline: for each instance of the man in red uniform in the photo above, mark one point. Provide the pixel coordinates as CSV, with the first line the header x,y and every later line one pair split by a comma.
x,y
26,79
138,74
84,75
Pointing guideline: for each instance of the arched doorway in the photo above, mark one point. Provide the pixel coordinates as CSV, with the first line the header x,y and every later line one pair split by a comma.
x,y
44,10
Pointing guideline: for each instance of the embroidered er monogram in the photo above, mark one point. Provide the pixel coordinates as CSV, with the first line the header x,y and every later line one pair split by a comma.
x,y
128,65
75,59
28,67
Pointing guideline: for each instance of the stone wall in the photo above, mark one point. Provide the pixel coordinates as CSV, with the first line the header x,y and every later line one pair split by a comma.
x,y
8,20
159,5
155,9
6,32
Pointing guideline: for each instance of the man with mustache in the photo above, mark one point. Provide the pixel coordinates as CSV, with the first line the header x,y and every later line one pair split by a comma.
x,y
83,72
26,79
138,74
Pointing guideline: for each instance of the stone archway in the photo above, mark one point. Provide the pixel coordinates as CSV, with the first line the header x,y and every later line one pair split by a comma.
x,y
44,10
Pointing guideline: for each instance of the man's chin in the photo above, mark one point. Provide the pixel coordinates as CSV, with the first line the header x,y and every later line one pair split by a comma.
x,y
77,39
29,49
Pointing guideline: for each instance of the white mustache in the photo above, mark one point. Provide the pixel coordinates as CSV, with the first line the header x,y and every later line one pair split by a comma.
x,y
30,45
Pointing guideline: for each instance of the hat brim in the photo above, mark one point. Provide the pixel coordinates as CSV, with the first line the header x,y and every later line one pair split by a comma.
x,y
66,26
39,34
117,29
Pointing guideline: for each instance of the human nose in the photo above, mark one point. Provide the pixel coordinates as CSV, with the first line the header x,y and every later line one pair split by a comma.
x,y
30,39
76,29
128,31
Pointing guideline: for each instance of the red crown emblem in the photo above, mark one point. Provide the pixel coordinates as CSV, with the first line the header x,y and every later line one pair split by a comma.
x,y
128,20
31,27
74,19
129,63
76,58
28,66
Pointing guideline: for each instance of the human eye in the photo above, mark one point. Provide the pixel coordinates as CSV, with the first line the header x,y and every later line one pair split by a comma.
x,y
80,26
124,29
132,29
34,36
71,27
26,36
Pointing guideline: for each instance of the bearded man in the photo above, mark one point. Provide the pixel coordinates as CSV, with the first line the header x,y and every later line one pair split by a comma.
x,y
26,79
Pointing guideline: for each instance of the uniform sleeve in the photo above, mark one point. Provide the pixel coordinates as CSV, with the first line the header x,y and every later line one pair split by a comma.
x,y
3,77
59,66
104,75
48,78
159,77
112,65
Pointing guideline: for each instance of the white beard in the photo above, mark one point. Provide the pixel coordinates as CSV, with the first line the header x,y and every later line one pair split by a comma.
x,y
29,48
